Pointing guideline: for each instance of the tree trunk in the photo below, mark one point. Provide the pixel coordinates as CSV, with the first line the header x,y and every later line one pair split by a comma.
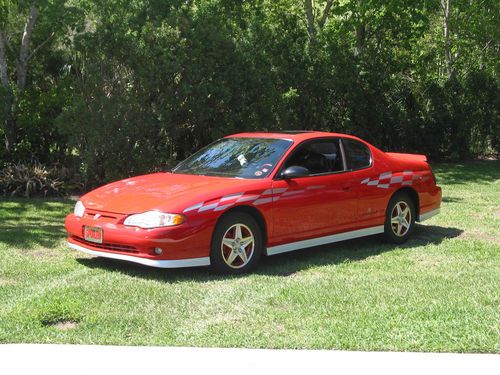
x,y
446,7
22,64
326,13
10,128
4,76
360,33
360,39
11,98
9,124
311,28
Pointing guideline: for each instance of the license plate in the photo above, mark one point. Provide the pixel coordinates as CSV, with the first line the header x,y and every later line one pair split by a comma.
x,y
92,234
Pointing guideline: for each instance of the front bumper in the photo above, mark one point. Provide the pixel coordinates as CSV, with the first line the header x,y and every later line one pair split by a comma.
x,y
186,245
176,263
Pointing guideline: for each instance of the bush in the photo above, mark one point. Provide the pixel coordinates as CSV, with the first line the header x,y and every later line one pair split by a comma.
x,y
34,179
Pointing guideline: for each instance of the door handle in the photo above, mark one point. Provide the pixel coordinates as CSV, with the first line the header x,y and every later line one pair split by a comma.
x,y
346,187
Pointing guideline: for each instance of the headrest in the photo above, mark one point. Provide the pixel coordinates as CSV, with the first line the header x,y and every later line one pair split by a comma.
x,y
326,148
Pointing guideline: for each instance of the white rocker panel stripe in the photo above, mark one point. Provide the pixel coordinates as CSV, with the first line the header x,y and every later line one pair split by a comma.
x,y
193,262
429,214
273,250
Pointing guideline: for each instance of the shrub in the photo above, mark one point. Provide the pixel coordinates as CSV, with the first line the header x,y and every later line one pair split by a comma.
x,y
33,179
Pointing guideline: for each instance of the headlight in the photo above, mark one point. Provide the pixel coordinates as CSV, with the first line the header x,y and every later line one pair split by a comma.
x,y
154,219
79,209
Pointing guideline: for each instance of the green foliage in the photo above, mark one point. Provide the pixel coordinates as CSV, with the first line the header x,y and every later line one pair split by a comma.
x,y
126,87
35,179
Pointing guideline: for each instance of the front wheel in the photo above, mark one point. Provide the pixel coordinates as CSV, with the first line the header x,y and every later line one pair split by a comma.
x,y
399,218
236,244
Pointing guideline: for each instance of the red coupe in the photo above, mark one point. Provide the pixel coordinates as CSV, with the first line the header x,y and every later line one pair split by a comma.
x,y
254,194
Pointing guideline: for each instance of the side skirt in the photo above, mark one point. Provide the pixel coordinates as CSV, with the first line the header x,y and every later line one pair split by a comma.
x,y
177,263
429,214
273,250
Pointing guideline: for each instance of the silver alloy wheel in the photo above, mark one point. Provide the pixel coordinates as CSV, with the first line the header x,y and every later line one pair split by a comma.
x,y
401,218
237,247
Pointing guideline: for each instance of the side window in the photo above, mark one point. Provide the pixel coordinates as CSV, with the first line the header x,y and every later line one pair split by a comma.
x,y
358,155
321,156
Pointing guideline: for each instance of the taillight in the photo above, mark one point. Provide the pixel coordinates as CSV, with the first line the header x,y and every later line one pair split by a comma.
x,y
433,176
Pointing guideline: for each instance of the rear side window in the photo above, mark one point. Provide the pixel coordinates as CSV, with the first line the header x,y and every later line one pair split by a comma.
x,y
358,155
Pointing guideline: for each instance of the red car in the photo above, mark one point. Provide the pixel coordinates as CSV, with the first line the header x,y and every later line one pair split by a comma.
x,y
254,194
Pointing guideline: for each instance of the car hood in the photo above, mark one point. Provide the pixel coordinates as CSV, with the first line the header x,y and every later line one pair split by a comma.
x,y
163,191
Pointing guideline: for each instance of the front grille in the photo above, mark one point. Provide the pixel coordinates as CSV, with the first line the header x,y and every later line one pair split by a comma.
x,y
103,216
106,246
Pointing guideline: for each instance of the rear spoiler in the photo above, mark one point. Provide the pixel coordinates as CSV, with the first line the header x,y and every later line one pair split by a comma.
x,y
407,157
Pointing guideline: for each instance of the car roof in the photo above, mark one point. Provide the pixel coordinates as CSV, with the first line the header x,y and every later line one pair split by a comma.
x,y
295,135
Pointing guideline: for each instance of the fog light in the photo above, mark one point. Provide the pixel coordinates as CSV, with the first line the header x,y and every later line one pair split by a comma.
x,y
158,251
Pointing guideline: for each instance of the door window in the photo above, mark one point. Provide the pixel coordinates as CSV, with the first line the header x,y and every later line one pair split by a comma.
x,y
319,157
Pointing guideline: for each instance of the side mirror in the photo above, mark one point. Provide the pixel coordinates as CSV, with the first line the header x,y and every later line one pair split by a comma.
x,y
295,171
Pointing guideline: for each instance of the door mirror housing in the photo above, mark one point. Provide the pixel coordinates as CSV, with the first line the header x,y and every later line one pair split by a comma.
x,y
295,171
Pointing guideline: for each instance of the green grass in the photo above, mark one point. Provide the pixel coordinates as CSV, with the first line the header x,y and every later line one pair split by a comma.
x,y
438,292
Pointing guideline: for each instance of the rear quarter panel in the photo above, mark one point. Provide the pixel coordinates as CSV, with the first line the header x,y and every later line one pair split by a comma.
x,y
389,174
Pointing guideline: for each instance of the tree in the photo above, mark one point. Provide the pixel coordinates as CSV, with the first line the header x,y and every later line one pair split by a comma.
x,y
446,8
316,17
18,46
120,87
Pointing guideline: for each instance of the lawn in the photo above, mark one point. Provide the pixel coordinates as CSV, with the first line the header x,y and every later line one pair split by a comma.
x,y
438,292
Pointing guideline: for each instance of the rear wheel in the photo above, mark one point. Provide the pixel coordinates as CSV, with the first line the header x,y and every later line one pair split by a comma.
x,y
399,218
236,244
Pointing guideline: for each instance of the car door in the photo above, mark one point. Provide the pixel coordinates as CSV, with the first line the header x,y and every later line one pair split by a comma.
x,y
371,192
320,204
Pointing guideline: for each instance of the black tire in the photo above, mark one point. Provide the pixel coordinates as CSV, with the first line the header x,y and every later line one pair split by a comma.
x,y
226,228
391,228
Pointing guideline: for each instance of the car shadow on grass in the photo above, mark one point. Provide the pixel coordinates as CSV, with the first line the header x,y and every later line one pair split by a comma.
x,y
352,251
286,264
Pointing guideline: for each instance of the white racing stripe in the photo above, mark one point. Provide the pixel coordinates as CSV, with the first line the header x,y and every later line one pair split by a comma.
x,y
387,179
267,196
195,207
263,201
231,196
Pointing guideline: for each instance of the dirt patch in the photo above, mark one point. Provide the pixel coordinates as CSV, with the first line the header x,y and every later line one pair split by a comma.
x,y
43,253
38,252
63,326
62,315
479,215
480,235
430,260
6,282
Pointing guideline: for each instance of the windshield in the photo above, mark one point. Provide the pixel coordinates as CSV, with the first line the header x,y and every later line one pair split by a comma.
x,y
236,157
